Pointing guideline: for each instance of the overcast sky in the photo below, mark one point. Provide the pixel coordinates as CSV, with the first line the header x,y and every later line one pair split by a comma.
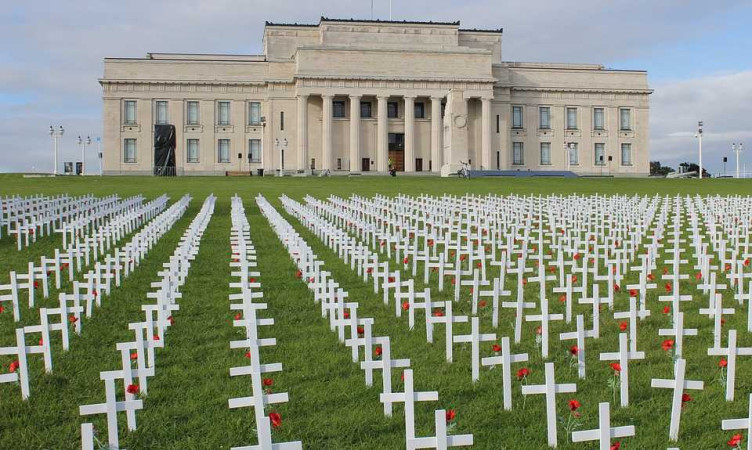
x,y
698,55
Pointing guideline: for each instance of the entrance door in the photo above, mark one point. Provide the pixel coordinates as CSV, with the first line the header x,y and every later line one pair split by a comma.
x,y
365,164
397,151
419,164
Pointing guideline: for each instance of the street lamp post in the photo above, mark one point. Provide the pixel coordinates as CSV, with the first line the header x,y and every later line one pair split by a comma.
x,y
83,143
56,133
737,149
699,143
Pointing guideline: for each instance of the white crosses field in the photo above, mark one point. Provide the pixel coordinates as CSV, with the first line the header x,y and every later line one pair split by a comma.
x,y
269,321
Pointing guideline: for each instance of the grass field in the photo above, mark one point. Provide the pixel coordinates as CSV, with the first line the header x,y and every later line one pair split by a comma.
x,y
330,406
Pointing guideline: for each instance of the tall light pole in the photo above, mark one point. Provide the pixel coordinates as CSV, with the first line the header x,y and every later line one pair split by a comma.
x,y
737,149
699,142
56,133
83,143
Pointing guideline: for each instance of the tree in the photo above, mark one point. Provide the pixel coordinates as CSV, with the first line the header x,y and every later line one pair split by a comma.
x,y
692,167
656,169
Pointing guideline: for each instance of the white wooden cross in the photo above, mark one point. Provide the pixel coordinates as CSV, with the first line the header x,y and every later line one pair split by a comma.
x,y
741,424
632,315
475,338
21,375
449,319
505,359
716,312
678,331
386,364
604,433
544,317
259,399
519,307
550,389
567,291
580,334
596,300
441,441
264,432
679,384
623,356
110,407
731,352
409,397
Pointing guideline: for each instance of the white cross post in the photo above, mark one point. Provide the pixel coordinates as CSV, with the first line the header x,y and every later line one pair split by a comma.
x,y
386,364
409,397
22,373
505,359
604,433
449,320
475,338
111,407
732,351
716,312
441,441
678,332
623,356
580,334
633,314
264,433
550,389
544,317
741,424
678,384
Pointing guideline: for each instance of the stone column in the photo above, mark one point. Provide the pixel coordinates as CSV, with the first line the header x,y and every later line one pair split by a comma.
x,y
409,133
485,121
436,128
382,141
302,132
326,133
355,133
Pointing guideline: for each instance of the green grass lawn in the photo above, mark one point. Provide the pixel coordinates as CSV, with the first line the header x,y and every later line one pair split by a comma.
x,y
330,406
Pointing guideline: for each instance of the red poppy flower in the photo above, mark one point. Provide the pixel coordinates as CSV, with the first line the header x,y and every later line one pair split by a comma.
x,y
252,280
369,270
268,382
377,352
665,270
454,281
430,242
522,373
563,298
41,341
698,276
686,398
134,356
156,337
524,281
346,314
275,419
668,287
360,330
574,278
171,320
132,389
615,446
552,269
722,363
463,257
574,350
735,440
72,319
666,309
450,415
13,366
727,267
539,330
746,262
248,355
482,303
651,277
617,288
298,274
405,306
390,279
406,260
496,348
438,313
36,285
616,367
577,257
668,344
2,309
633,293
574,405
238,316
623,326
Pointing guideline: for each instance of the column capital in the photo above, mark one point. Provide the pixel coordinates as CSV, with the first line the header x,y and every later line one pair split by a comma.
x,y
486,99
353,96
410,96
383,97
327,95
302,95
438,98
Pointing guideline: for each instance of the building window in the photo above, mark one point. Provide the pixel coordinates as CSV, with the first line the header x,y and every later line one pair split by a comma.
x,y
365,109
223,151
223,113
518,154
545,153
625,119
420,110
571,118
517,122
281,121
192,113
392,110
192,151
339,163
600,154
626,154
498,122
129,113
338,109
599,119
129,151
545,117
574,154
254,150
161,112
254,113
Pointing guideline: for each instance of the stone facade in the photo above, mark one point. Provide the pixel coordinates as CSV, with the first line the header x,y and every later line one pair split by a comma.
x,y
354,96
